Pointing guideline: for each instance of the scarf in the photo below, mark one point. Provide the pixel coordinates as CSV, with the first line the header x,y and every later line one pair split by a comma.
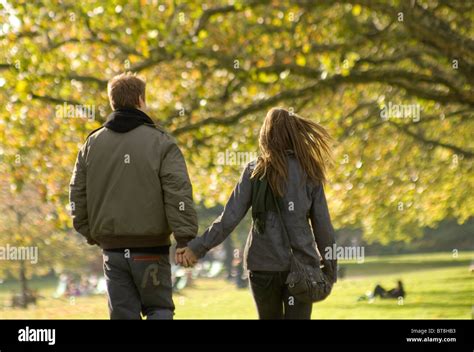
x,y
262,202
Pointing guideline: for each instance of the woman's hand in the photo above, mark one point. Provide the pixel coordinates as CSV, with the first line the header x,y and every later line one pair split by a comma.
x,y
185,257
328,269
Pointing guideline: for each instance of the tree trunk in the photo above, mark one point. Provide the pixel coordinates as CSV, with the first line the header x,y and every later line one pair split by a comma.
x,y
24,285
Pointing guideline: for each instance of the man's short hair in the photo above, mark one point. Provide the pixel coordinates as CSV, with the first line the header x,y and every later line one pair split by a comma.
x,y
125,90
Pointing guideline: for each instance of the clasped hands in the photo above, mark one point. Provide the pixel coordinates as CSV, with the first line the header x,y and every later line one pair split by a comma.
x,y
185,257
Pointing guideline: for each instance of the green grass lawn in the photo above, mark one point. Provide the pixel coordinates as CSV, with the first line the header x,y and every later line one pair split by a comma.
x,y
438,287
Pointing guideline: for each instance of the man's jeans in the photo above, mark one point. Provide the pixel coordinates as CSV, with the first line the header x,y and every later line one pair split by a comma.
x,y
138,283
273,299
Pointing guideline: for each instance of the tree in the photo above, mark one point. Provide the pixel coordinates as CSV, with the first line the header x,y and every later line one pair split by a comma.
x,y
31,243
213,70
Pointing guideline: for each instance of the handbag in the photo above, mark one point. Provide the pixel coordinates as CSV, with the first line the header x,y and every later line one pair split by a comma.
x,y
307,283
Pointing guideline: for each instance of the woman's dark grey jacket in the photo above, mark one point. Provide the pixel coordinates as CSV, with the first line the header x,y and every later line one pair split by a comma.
x,y
305,203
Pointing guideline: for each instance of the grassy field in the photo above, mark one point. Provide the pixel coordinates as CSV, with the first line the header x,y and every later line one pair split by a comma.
x,y
438,287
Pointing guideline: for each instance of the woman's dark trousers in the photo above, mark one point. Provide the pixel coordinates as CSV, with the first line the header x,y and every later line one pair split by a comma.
x,y
273,299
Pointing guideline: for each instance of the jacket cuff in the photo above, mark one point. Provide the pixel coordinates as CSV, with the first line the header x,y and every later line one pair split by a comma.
x,y
86,234
183,241
91,241
197,247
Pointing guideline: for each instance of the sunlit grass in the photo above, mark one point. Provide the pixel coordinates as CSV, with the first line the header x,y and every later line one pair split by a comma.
x,y
438,286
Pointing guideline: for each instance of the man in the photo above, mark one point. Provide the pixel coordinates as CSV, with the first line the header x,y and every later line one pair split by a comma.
x,y
129,191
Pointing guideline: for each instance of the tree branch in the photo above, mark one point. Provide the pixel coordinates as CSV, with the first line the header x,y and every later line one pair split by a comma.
x,y
418,136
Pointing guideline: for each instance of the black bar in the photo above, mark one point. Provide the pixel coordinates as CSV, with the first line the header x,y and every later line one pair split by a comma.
x,y
345,333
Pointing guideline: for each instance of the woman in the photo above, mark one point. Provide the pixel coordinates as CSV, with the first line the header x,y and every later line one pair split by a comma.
x,y
294,154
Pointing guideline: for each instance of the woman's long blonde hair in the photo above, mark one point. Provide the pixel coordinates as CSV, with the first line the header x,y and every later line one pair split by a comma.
x,y
283,131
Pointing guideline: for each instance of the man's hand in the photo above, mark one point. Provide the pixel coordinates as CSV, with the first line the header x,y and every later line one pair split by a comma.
x,y
185,257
